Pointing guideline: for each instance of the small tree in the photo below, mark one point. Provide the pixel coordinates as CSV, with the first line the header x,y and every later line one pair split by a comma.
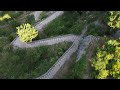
x,y
107,60
114,19
6,16
26,32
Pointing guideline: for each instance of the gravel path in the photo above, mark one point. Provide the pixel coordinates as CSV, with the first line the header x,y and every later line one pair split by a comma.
x,y
48,41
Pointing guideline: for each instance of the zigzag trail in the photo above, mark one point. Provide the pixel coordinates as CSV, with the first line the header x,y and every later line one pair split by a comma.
x,y
66,56
50,41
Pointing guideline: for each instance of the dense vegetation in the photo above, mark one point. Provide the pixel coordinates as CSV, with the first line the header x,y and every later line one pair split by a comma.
x,y
31,63
114,19
28,63
68,23
107,60
76,70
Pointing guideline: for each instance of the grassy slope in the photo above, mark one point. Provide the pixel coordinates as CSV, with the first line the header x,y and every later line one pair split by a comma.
x,y
69,23
29,63
65,24
77,70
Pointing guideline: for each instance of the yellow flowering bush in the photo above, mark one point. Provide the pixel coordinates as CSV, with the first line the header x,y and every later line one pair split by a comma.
x,y
107,60
6,16
26,32
114,19
115,69
103,74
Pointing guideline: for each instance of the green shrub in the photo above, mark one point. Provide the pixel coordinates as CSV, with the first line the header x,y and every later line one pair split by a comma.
x,y
77,69
3,42
30,19
12,36
95,30
5,32
43,15
13,23
17,14
107,60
